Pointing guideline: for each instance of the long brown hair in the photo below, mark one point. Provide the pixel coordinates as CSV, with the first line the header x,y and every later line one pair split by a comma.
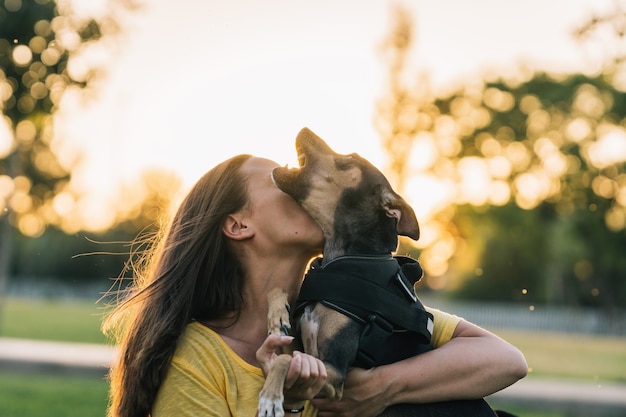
x,y
189,274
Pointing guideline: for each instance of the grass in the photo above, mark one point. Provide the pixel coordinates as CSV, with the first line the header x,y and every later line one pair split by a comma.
x,y
583,357
49,319
589,358
52,396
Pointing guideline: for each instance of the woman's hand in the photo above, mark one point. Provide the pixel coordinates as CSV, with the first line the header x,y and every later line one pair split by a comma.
x,y
305,378
306,374
266,354
364,395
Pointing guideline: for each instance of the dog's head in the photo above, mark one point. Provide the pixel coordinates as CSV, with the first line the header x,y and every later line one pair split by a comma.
x,y
348,197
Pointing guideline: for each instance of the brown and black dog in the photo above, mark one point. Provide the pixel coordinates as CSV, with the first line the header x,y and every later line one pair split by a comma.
x,y
357,306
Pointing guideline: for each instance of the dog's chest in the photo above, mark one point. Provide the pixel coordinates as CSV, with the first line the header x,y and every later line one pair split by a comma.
x,y
309,330
318,325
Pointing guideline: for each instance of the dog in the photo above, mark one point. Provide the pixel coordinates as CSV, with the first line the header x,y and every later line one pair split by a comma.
x,y
357,305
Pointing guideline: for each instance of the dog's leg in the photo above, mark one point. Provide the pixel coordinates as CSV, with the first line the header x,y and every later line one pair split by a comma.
x,y
332,337
271,395
325,333
278,312
310,332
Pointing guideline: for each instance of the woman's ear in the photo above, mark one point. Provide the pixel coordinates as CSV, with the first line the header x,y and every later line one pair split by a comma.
x,y
235,228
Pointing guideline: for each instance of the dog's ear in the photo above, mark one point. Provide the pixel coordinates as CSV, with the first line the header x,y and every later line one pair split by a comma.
x,y
395,206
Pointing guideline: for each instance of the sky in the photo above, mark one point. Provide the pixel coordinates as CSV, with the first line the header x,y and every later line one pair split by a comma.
x,y
197,81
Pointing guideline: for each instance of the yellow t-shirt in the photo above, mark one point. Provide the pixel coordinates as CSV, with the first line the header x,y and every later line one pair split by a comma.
x,y
206,377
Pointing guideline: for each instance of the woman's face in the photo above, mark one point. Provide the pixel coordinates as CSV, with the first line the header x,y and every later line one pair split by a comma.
x,y
277,218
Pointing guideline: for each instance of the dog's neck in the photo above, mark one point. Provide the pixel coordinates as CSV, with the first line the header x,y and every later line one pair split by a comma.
x,y
363,234
335,248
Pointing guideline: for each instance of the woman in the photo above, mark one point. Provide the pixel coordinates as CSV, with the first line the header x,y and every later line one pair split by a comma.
x,y
193,328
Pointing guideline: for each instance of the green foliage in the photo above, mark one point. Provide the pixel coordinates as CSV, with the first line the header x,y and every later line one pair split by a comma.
x,y
513,254
39,40
565,246
33,67
537,259
82,258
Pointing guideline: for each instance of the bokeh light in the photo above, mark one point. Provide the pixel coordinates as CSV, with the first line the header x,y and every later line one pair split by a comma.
x,y
22,55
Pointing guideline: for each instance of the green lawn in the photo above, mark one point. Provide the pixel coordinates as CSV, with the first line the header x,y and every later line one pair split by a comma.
x,y
590,358
43,319
52,396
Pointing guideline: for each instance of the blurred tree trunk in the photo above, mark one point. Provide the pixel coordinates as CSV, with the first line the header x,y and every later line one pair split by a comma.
x,y
6,254
397,137
7,233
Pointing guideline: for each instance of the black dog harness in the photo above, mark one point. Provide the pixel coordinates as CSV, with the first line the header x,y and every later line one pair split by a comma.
x,y
377,292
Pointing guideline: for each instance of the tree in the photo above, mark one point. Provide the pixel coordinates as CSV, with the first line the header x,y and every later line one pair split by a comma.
x,y
556,147
401,101
537,172
39,40
603,36
83,259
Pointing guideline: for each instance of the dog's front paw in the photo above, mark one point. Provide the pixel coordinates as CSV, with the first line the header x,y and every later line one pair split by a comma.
x,y
270,405
278,313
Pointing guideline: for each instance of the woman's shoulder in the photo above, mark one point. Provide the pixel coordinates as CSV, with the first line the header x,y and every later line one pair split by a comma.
x,y
442,315
444,325
198,340
196,331
201,346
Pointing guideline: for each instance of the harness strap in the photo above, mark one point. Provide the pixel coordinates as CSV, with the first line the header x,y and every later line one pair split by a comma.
x,y
363,298
380,345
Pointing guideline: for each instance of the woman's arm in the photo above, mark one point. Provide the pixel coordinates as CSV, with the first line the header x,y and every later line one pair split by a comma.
x,y
473,364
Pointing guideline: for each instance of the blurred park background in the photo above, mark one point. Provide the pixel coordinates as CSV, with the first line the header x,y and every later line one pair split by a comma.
x,y
503,124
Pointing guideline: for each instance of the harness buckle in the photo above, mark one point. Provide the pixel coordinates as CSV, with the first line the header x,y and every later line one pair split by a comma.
x,y
375,334
383,324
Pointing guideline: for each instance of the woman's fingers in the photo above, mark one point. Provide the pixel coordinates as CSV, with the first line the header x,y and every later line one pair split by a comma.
x,y
321,376
294,370
299,369
267,352
306,375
